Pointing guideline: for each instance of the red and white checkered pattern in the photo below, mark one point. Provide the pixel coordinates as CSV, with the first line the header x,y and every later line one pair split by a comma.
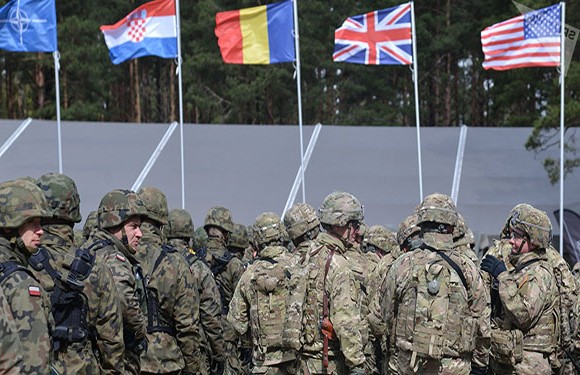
x,y
136,29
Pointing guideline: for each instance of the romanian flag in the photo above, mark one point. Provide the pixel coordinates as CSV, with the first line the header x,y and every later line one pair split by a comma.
x,y
258,35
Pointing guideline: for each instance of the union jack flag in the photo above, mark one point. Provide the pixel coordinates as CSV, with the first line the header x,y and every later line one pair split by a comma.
x,y
381,37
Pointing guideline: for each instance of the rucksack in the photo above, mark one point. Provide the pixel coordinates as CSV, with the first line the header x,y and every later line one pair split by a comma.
x,y
157,321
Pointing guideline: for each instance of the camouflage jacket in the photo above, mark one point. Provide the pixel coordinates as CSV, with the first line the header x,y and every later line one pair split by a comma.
x,y
259,304
342,293
210,308
226,274
401,303
171,282
123,266
376,290
361,267
30,307
10,346
104,316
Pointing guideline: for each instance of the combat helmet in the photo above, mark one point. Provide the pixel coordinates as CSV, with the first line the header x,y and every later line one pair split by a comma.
x,y
462,235
300,219
239,237
379,237
118,206
437,208
339,208
62,196
219,217
268,229
408,229
20,201
533,222
91,223
155,202
180,224
199,239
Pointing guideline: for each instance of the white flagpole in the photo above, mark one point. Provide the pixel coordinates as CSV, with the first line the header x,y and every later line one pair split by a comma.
x,y
180,104
562,70
299,94
416,89
56,56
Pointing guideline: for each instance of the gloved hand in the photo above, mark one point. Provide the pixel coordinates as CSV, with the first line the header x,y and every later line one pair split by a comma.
x,y
475,370
217,368
359,370
492,265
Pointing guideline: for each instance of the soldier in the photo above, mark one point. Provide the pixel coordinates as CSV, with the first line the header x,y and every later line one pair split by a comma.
x,y
91,224
259,301
179,234
119,216
576,271
435,309
10,346
239,244
22,205
514,254
408,234
464,240
303,226
227,270
171,294
333,328
85,304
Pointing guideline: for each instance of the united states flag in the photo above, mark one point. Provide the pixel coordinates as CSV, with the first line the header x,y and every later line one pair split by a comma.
x,y
381,37
532,39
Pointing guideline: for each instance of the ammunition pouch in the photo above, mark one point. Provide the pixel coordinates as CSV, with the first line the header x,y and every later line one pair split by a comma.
x,y
507,346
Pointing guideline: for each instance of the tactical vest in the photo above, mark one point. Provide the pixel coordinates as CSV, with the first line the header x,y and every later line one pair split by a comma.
x,y
157,319
69,304
269,285
9,267
434,320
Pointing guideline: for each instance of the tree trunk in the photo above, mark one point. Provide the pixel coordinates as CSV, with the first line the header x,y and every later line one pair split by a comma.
x,y
135,92
40,82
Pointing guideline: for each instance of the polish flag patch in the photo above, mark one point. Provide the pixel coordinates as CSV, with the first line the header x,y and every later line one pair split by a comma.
x,y
121,258
34,291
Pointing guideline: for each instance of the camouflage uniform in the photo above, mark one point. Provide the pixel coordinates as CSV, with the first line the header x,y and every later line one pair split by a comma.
x,y
345,344
172,296
259,301
435,309
115,209
303,226
538,273
179,233
91,224
10,346
227,270
238,244
464,240
20,201
103,350
567,292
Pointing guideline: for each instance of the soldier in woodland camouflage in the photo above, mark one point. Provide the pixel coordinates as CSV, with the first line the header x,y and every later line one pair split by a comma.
x,y
179,234
172,296
532,294
102,349
91,224
119,217
332,297
435,308
10,346
303,226
259,303
227,270
239,244
22,205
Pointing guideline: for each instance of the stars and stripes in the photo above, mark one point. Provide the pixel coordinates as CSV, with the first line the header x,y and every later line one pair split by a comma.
x,y
381,37
532,39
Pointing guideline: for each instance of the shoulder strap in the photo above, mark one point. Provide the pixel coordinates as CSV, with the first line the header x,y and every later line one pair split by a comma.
x,y
525,264
9,267
454,266
41,261
164,250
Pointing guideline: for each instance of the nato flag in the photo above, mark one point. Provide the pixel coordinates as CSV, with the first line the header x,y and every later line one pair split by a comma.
x,y
28,26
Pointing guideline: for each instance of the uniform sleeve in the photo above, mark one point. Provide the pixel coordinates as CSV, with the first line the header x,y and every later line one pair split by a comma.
x,y
186,317
344,312
239,313
10,347
480,307
377,285
109,321
210,312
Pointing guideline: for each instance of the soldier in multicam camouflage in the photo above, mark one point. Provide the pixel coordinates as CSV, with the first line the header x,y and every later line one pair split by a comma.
x,y
91,224
333,329
119,216
535,276
171,293
464,240
10,346
259,301
179,234
303,226
93,342
22,205
435,309
227,270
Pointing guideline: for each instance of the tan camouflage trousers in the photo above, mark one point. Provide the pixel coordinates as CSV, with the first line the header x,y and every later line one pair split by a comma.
x,y
313,365
233,363
533,363
286,368
405,364
371,363
132,362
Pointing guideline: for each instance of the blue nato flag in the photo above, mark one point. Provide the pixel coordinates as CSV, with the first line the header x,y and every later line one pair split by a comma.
x,y
28,26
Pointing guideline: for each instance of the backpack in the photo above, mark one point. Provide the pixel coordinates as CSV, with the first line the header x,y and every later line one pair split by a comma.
x,y
69,305
157,321
434,313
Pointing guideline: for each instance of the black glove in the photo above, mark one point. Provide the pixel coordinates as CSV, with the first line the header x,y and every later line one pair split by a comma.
x,y
246,356
357,371
475,370
217,368
492,265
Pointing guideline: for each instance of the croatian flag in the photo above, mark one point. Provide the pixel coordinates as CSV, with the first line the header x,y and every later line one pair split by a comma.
x,y
149,30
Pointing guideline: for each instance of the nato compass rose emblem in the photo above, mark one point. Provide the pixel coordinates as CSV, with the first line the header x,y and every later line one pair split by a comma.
x,y
20,22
